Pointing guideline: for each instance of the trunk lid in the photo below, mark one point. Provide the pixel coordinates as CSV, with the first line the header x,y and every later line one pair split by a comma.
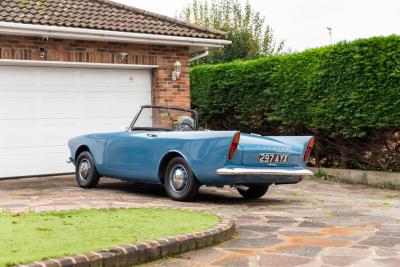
x,y
277,151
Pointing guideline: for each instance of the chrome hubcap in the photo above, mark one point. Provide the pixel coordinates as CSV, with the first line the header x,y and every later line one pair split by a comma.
x,y
178,178
84,169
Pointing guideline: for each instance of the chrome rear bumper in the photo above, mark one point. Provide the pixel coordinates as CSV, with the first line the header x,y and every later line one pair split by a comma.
x,y
259,171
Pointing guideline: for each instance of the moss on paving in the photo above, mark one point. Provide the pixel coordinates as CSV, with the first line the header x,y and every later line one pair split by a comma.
x,y
32,236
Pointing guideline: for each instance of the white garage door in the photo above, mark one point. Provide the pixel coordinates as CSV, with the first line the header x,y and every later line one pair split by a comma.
x,y
42,107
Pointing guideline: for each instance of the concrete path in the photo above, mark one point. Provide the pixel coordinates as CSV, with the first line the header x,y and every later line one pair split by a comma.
x,y
308,224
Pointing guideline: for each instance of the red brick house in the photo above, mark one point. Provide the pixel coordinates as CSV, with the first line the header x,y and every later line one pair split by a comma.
x,y
69,67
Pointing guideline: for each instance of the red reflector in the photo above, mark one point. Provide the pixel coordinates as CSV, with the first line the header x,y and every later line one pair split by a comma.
x,y
234,145
309,149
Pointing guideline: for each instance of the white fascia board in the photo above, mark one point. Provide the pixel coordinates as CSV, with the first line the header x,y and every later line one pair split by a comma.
x,y
63,64
10,28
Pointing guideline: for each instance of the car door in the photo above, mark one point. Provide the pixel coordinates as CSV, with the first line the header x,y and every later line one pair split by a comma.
x,y
130,154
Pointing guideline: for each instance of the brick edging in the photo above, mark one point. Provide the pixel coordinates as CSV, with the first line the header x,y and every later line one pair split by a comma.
x,y
131,254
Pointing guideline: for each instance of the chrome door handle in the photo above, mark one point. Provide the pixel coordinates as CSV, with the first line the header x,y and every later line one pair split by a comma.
x,y
152,135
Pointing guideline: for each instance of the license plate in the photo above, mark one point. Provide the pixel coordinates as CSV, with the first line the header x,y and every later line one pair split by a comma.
x,y
273,158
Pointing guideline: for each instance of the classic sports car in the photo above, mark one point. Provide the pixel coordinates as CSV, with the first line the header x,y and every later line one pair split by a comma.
x,y
163,146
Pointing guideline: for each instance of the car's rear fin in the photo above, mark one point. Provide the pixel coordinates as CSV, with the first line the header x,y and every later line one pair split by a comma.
x,y
234,145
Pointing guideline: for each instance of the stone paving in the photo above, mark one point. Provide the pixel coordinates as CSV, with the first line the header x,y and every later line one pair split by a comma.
x,y
312,223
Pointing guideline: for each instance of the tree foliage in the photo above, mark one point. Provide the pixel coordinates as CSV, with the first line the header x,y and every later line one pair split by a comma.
x,y
343,93
246,28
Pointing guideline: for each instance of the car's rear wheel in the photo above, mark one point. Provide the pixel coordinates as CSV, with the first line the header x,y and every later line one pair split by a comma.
x,y
180,183
253,191
85,171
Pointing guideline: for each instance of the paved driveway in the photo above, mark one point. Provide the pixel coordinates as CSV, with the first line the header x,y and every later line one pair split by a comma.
x,y
308,224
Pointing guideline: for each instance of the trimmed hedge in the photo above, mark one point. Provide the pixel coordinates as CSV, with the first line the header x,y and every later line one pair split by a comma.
x,y
345,89
347,94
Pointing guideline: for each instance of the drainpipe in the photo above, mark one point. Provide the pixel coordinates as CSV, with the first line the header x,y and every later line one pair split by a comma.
x,y
204,54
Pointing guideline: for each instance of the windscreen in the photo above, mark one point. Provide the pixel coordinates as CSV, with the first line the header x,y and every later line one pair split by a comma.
x,y
165,119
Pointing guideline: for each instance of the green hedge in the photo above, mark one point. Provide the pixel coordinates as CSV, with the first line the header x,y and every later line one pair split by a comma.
x,y
344,90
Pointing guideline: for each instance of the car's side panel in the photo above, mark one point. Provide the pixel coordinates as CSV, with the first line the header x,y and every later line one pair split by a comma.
x,y
204,151
130,151
129,156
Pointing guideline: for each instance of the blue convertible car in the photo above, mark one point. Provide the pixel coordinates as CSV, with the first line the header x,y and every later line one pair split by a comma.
x,y
163,146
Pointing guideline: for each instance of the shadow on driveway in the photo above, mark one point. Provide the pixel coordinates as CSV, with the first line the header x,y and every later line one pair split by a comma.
x,y
206,195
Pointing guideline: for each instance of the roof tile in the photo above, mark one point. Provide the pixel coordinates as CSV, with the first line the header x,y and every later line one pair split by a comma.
x,y
100,15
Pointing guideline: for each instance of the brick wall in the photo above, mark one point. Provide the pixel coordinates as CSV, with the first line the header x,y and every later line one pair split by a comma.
x,y
165,90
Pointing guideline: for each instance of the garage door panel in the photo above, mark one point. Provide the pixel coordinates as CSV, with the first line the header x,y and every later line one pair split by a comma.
x,y
91,78
91,106
56,107
103,125
55,156
43,134
17,136
54,135
23,163
127,105
15,108
137,78
33,160
9,79
42,108
55,77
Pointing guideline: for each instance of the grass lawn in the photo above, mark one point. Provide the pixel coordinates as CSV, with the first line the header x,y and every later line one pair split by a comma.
x,y
35,236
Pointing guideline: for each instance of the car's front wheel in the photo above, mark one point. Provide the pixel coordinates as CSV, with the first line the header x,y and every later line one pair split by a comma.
x,y
180,183
253,191
85,171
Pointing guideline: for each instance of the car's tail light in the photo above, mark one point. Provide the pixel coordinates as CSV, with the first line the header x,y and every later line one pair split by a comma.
x,y
309,149
234,145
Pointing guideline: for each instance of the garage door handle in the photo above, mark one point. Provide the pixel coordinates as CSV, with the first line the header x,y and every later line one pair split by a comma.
x,y
152,135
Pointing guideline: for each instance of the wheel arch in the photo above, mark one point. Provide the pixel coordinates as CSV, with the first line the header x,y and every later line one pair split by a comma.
x,y
165,159
81,149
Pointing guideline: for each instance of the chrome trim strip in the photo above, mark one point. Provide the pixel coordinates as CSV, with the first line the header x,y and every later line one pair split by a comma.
x,y
259,171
